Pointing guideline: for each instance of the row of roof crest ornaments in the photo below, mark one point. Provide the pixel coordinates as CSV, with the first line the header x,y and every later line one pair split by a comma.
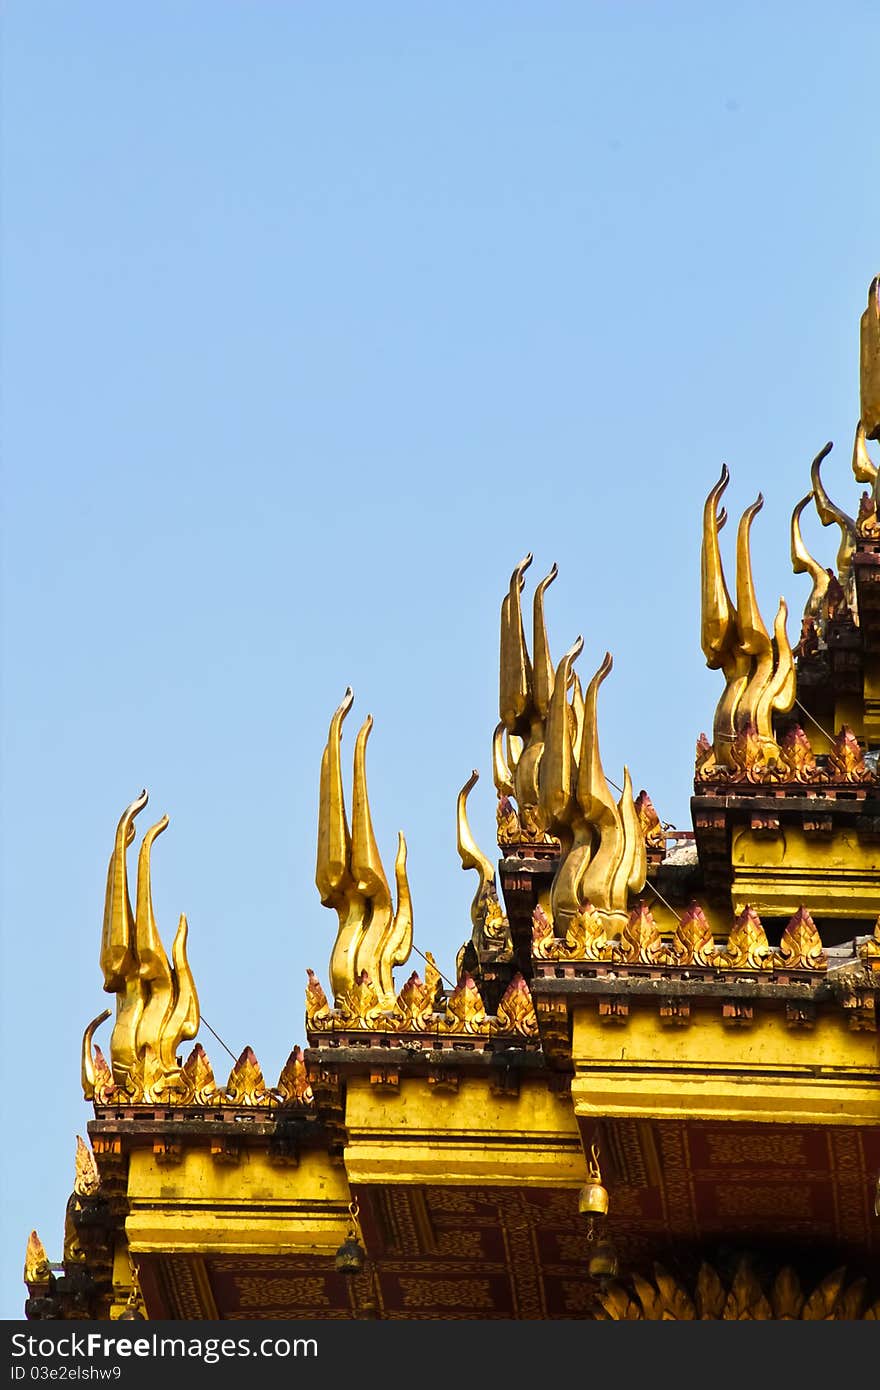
x,y
759,671
553,800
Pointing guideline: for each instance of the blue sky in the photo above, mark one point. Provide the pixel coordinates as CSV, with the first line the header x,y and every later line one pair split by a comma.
x,y
315,319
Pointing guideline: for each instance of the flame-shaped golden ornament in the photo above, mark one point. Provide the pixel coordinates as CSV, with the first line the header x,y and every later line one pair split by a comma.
x,y
157,1005
372,937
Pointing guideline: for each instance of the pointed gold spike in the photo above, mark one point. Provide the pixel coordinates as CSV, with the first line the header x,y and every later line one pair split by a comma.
x,y
515,667
577,710
334,841
718,626
117,944
802,562
542,666
557,769
830,515
87,1062
396,945
366,864
153,967
501,771
754,636
863,466
632,871
869,362
471,856
182,1019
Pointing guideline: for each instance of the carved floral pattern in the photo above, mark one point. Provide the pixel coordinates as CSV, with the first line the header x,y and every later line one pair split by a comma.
x,y
652,830
200,1087
757,763
516,1012
246,1085
693,941
801,945
692,944
747,945
846,761
293,1083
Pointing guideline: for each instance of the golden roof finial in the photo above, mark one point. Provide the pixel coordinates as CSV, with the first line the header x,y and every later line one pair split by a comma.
x,y
350,877
718,615
863,467
606,858
542,666
469,852
87,1065
830,515
502,772
515,667
869,359
156,1004
802,562
558,767
760,676
720,633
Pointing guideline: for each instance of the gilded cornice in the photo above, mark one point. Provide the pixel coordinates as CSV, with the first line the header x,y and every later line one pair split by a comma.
x,y
199,1089
423,1012
691,946
794,762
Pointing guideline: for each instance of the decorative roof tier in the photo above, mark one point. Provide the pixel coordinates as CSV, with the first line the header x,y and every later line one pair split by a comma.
x,y
697,1007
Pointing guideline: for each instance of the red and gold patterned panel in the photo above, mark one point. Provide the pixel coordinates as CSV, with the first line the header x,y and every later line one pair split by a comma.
x,y
703,1181
481,1252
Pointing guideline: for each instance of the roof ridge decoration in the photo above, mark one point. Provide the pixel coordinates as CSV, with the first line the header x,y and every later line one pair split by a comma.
x,y
759,672
372,938
421,1012
562,794
198,1087
157,1005
691,946
491,930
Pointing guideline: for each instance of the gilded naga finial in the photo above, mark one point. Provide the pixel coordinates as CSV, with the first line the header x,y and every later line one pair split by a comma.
x,y
615,866
491,929
372,938
830,515
869,393
557,776
525,689
156,1002
802,562
759,671
864,468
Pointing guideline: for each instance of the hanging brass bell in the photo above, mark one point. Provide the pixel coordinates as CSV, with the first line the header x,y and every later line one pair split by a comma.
x,y
350,1256
593,1200
603,1261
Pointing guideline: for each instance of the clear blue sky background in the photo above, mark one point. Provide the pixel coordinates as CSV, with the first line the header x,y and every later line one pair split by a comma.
x,y
315,318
